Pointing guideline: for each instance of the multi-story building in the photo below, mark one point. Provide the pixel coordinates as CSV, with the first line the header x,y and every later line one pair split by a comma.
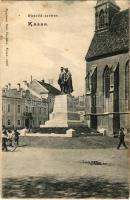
x,y
28,106
44,90
107,70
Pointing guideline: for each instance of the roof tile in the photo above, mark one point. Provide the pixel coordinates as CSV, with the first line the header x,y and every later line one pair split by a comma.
x,y
111,41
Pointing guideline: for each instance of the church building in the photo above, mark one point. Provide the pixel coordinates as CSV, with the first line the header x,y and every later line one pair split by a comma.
x,y
107,70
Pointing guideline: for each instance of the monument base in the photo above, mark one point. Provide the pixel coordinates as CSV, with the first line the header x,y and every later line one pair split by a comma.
x,y
64,114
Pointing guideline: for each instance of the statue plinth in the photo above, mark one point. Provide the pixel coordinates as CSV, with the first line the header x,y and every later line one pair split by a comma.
x,y
64,113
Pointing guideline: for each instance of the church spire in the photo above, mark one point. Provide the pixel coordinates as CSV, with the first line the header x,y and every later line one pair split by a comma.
x,y
105,10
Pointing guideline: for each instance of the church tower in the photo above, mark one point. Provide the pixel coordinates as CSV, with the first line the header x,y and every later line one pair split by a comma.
x,y
104,12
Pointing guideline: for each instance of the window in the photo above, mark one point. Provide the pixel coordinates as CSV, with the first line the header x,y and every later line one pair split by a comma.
x,y
91,80
19,108
101,19
106,83
18,122
93,89
9,123
40,110
33,110
96,17
88,81
94,80
26,108
127,86
127,72
8,107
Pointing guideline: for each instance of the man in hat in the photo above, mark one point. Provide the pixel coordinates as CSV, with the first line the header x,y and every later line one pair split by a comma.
x,y
61,79
121,138
16,136
68,82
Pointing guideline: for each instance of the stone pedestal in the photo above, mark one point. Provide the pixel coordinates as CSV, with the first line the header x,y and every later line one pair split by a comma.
x,y
64,113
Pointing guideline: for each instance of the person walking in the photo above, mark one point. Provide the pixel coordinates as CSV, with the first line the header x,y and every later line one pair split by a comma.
x,y
16,136
4,139
121,138
10,138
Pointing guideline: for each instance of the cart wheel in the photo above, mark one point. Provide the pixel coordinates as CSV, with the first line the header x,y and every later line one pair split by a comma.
x,y
11,146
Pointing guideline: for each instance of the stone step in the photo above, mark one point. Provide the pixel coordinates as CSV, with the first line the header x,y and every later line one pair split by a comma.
x,y
54,125
63,122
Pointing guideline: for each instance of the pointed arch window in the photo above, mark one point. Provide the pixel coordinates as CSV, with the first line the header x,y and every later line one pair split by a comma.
x,y
127,76
127,85
88,81
94,80
101,19
96,20
106,82
106,17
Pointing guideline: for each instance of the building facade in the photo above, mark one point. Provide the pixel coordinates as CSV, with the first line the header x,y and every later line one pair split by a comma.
x,y
45,91
28,106
22,109
107,70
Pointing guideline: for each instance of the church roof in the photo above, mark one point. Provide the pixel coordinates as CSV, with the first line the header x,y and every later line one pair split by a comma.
x,y
112,41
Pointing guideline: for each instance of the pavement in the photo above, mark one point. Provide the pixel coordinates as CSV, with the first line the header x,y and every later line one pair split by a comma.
x,y
65,163
69,173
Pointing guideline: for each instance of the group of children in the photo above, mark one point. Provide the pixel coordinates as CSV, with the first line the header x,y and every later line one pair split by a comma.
x,y
9,136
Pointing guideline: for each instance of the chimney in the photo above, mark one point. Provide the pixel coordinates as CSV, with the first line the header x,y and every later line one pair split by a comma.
x,y
25,82
9,86
50,81
24,85
6,87
43,81
18,86
31,78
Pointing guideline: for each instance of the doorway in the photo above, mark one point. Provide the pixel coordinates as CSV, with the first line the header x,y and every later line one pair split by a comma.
x,y
27,123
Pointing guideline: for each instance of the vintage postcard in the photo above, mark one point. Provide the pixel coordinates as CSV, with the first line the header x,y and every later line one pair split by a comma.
x,y
65,99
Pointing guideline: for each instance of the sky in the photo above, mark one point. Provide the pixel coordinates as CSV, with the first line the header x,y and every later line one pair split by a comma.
x,y
41,51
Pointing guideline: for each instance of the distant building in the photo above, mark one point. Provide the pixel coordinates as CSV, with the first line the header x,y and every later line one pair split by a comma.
x,y
108,70
80,102
22,109
80,106
28,106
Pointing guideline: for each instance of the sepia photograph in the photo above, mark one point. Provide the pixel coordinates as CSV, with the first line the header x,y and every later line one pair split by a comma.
x,y
65,99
